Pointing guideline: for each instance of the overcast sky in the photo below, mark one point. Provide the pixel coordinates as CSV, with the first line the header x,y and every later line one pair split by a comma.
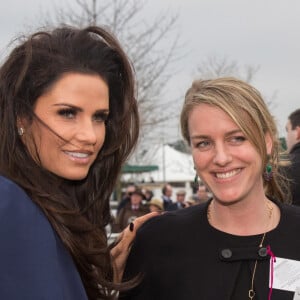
x,y
264,33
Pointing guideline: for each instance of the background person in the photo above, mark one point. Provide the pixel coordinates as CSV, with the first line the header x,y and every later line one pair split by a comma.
x,y
126,197
148,194
180,201
63,95
155,204
223,248
132,210
167,192
202,193
293,147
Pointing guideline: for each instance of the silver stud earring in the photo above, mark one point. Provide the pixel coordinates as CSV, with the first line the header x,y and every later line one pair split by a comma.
x,y
21,131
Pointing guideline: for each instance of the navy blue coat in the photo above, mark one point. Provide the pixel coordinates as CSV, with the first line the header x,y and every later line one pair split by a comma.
x,y
34,264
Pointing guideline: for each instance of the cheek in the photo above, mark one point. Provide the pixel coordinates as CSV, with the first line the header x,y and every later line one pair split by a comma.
x,y
32,140
101,134
201,159
48,147
45,142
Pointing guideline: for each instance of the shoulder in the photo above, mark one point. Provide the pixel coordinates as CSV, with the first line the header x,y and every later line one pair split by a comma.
x,y
295,154
283,239
290,212
21,221
289,219
9,189
16,207
172,221
25,232
157,238
32,256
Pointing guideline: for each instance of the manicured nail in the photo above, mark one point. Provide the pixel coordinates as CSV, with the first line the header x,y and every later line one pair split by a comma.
x,y
131,226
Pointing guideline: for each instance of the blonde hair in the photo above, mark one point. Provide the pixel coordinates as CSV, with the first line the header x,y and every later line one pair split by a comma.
x,y
245,106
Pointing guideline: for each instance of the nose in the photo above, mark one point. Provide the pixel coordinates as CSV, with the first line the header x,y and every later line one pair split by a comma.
x,y
87,133
222,155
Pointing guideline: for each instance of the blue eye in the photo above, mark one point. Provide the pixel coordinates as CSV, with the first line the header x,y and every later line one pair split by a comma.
x,y
101,117
203,145
68,113
238,139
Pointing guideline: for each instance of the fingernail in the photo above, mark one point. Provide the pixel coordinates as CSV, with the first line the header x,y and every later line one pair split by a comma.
x,y
131,226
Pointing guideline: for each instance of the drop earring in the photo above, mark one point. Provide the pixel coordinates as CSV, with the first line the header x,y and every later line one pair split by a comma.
x,y
21,131
196,180
268,174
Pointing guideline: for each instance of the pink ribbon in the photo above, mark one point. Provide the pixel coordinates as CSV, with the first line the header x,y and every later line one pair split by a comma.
x,y
273,260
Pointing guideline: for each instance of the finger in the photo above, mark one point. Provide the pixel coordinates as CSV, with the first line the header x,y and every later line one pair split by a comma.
x,y
121,251
138,222
127,236
130,231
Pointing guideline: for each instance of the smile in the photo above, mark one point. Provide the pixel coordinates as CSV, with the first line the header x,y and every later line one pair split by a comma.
x,y
77,154
228,174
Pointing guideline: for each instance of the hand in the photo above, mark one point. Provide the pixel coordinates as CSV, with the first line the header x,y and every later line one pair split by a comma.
x,y
122,247
186,204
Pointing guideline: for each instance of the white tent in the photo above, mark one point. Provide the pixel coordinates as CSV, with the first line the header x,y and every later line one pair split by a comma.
x,y
173,165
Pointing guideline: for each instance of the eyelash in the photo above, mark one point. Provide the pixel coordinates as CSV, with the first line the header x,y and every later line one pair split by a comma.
x,y
206,144
239,138
101,117
203,144
70,113
66,112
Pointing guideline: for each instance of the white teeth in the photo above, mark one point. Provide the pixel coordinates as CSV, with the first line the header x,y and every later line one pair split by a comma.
x,y
77,154
227,174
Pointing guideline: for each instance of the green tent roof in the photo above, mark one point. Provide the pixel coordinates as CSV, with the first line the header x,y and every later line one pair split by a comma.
x,y
138,168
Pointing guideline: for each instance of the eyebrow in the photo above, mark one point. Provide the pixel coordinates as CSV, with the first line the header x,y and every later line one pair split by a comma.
x,y
77,108
202,136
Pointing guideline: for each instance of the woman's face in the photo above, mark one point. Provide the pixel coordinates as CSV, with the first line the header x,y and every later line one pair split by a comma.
x,y
224,158
75,108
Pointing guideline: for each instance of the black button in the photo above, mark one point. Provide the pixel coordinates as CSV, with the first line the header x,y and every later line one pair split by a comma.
x,y
226,253
262,252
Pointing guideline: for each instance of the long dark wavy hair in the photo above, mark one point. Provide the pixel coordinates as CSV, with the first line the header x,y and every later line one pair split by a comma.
x,y
77,210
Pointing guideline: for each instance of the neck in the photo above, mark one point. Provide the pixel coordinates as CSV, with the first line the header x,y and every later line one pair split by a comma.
x,y
251,219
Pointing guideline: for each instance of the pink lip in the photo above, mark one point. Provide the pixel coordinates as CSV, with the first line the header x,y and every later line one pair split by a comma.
x,y
82,161
227,177
79,160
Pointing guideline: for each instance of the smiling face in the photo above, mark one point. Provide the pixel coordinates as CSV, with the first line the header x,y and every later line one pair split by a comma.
x,y
75,109
224,158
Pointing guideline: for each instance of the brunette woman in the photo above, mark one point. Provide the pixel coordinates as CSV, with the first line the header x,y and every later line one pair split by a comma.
x,y
69,120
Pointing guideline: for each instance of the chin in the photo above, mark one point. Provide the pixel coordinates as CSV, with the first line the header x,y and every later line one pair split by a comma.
x,y
227,200
75,177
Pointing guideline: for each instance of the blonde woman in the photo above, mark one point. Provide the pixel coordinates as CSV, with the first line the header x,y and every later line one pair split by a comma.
x,y
225,247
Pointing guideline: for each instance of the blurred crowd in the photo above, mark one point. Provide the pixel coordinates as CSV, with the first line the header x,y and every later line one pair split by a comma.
x,y
138,201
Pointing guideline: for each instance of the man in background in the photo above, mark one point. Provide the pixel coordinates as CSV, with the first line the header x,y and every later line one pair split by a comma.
x,y
293,147
126,198
180,201
167,192
132,210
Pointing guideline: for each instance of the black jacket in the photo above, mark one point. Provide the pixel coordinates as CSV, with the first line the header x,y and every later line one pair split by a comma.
x,y
293,173
182,257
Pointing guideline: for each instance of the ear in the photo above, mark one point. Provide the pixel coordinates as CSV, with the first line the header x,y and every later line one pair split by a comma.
x,y
269,143
22,122
297,133
19,123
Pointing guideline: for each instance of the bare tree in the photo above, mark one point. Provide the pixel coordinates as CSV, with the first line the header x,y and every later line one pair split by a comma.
x,y
213,67
147,45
